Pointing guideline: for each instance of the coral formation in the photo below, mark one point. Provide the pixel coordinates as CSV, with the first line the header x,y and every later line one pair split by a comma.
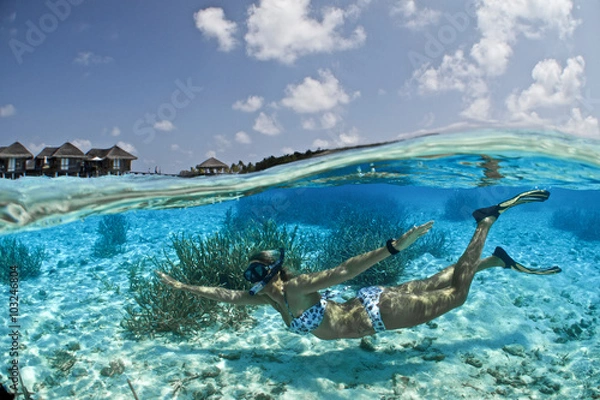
x,y
112,236
13,253
217,260
459,206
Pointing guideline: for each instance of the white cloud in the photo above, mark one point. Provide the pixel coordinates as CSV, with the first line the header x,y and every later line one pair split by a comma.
x,y
128,147
478,109
555,90
320,144
222,142
82,144
456,73
36,148
349,138
553,86
164,125
115,131
580,125
243,137
412,17
329,120
211,153
501,22
287,150
88,58
212,23
314,95
7,111
283,30
309,124
267,125
251,104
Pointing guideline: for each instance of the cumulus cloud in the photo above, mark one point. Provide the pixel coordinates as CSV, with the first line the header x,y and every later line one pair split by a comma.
x,y
314,95
243,137
553,86
284,30
350,138
267,125
115,131
555,90
164,125
128,147
327,121
82,144
7,111
251,104
320,144
212,23
87,58
456,73
501,22
413,17
580,125
222,142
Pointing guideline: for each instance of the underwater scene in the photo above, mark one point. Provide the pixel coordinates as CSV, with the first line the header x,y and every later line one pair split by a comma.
x,y
86,316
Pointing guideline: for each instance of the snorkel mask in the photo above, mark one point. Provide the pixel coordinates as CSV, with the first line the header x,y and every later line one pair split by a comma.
x,y
261,274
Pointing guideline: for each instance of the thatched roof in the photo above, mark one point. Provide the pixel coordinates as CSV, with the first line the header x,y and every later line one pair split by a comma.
x,y
113,153
213,163
15,150
67,150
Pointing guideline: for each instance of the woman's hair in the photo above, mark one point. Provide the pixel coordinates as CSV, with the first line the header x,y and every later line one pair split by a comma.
x,y
269,257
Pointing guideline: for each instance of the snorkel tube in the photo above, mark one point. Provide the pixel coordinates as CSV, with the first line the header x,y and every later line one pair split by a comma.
x,y
274,269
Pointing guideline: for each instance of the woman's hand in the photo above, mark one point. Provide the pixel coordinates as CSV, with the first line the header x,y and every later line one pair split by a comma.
x,y
167,280
411,236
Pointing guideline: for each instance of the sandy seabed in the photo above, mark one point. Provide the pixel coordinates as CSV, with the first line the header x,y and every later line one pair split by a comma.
x,y
517,336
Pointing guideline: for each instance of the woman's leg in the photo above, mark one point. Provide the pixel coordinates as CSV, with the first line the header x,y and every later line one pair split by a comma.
x,y
443,279
400,309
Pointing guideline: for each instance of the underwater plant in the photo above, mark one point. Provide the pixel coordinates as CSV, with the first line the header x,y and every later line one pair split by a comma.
x,y
14,253
112,236
459,206
357,232
583,224
216,260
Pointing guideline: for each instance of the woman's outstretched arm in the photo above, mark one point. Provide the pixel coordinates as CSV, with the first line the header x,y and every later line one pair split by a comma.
x,y
239,297
309,283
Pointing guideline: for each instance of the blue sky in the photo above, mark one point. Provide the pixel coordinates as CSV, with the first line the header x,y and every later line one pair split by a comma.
x,y
178,82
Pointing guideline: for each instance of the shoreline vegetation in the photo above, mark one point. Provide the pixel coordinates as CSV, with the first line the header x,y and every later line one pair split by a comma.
x,y
268,162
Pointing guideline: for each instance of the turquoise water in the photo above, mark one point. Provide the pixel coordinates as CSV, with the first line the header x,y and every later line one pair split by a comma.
x,y
533,336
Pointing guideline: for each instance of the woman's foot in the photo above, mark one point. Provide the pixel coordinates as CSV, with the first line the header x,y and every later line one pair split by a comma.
x,y
522,198
512,264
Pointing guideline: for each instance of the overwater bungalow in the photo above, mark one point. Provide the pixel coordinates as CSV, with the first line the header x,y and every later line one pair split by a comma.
x,y
64,160
212,166
13,160
113,161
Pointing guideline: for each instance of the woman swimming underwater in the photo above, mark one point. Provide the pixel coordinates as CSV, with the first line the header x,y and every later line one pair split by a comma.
x,y
375,308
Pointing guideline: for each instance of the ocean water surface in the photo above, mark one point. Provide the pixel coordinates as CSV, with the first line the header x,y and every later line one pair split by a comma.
x,y
517,336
